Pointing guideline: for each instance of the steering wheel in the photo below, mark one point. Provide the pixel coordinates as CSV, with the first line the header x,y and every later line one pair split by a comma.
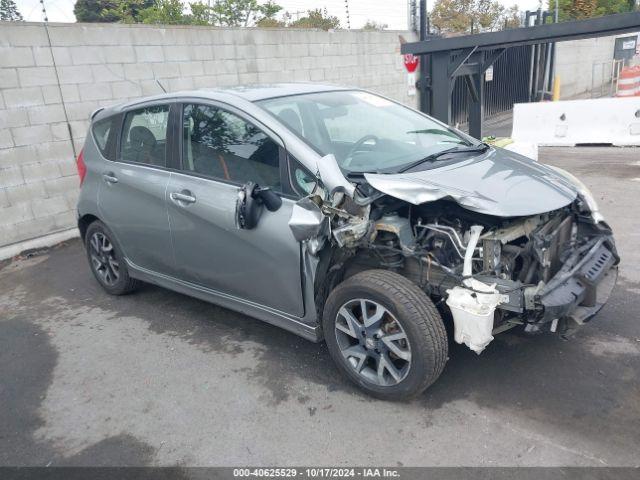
x,y
357,146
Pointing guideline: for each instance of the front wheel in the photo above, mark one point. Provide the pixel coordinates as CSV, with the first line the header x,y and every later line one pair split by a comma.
x,y
385,334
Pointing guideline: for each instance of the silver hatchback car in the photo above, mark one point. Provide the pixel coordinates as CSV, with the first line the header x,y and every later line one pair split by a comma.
x,y
341,215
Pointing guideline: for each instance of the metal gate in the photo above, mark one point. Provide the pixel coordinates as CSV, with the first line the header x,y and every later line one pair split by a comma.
x,y
510,84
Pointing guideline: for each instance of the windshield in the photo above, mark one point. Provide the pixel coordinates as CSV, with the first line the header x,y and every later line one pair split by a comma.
x,y
365,132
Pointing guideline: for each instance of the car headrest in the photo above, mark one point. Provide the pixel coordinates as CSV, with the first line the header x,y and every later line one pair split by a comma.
x,y
141,137
291,119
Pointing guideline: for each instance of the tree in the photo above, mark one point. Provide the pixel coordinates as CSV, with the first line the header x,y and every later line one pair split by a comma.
x,y
580,9
452,15
127,11
459,16
90,11
270,23
512,18
166,12
372,25
317,19
9,11
236,13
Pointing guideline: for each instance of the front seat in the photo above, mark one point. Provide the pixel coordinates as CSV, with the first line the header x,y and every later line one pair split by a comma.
x,y
291,119
143,143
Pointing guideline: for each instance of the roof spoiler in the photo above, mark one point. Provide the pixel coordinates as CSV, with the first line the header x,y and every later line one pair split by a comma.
x,y
95,112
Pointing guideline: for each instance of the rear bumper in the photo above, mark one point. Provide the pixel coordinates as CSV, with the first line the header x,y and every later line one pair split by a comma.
x,y
583,285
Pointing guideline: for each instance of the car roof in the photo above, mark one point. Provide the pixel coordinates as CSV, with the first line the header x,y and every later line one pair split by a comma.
x,y
254,93
250,93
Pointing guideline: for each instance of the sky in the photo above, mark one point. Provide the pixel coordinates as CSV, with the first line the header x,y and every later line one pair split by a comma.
x,y
391,12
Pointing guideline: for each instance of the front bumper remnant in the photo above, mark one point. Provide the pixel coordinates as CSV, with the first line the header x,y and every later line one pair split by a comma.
x,y
581,288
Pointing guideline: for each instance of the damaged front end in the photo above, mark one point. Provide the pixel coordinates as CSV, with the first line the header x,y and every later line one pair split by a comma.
x,y
547,271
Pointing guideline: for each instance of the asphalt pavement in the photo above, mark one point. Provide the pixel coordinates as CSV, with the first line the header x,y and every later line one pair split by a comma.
x,y
158,378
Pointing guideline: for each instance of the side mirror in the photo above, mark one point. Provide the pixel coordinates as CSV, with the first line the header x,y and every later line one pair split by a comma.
x,y
250,203
270,199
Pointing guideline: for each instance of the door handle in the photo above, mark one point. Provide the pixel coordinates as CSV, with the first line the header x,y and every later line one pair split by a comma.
x,y
109,177
182,197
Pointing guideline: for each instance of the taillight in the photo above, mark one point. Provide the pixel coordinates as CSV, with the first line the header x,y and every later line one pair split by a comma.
x,y
82,168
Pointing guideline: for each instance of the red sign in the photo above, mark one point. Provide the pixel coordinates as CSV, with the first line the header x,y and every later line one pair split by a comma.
x,y
410,62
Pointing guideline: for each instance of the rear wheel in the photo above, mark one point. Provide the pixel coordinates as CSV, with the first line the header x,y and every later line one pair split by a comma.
x,y
106,260
385,334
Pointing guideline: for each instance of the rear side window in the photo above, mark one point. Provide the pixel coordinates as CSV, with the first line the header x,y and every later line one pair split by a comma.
x,y
144,136
104,136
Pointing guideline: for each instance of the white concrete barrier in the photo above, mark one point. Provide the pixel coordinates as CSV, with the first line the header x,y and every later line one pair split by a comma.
x,y
614,121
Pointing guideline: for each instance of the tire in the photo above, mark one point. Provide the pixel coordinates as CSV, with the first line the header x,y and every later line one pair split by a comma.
x,y
105,251
411,318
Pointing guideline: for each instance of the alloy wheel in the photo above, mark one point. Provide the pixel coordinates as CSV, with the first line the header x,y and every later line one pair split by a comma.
x,y
373,342
103,258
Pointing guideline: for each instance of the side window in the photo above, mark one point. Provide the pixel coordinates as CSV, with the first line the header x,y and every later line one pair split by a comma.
x,y
302,181
222,145
144,136
103,131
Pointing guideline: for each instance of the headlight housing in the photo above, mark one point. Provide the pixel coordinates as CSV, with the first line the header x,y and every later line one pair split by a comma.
x,y
584,193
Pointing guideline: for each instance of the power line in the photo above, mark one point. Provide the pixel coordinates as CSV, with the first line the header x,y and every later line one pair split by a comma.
x,y
44,11
55,69
346,7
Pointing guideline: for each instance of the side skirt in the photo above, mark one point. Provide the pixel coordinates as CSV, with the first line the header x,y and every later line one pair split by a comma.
x,y
266,314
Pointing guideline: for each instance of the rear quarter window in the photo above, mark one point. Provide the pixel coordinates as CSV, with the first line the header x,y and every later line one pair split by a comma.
x,y
104,132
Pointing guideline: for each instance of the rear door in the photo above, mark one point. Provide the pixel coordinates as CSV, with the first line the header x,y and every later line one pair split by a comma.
x,y
131,198
221,149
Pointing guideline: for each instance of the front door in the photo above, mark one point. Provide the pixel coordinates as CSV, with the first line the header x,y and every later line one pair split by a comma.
x,y
131,198
220,152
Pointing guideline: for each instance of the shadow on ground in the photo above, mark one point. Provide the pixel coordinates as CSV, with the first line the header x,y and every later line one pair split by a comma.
x,y
588,385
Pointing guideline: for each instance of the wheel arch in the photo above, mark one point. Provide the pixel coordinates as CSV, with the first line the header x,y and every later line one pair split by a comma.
x,y
83,223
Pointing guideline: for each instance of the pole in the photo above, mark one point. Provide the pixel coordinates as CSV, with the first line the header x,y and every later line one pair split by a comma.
x,y
425,103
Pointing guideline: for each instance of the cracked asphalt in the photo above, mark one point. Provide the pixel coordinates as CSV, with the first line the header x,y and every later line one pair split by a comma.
x,y
158,378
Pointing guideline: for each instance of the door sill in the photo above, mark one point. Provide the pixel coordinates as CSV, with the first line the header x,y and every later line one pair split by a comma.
x,y
252,309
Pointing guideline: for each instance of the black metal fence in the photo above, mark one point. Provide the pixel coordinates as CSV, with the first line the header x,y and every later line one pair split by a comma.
x,y
510,85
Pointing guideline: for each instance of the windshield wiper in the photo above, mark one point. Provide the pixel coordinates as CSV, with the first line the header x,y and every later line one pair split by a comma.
x,y
480,148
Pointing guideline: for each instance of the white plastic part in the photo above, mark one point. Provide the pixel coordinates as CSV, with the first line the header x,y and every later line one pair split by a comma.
x,y
474,235
473,313
574,122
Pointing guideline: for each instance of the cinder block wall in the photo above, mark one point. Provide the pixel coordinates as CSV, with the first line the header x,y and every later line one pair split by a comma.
x,y
102,64
584,64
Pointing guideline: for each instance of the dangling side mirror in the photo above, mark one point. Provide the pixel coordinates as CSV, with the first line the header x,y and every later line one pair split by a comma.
x,y
249,206
270,199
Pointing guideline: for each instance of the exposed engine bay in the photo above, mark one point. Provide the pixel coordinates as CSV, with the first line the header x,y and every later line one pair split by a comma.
x,y
546,272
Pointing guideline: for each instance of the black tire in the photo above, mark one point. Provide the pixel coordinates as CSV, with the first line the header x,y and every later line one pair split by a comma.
x,y
124,283
418,316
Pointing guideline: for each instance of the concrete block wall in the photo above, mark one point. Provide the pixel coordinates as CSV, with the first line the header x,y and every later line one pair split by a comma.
x,y
575,64
101,64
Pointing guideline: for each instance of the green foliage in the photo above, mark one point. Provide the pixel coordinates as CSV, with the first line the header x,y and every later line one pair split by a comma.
x,y
317,19
235,13
580,9
371,26
166,12
269,10
9,11
127,11
270,23
457,16
200,14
